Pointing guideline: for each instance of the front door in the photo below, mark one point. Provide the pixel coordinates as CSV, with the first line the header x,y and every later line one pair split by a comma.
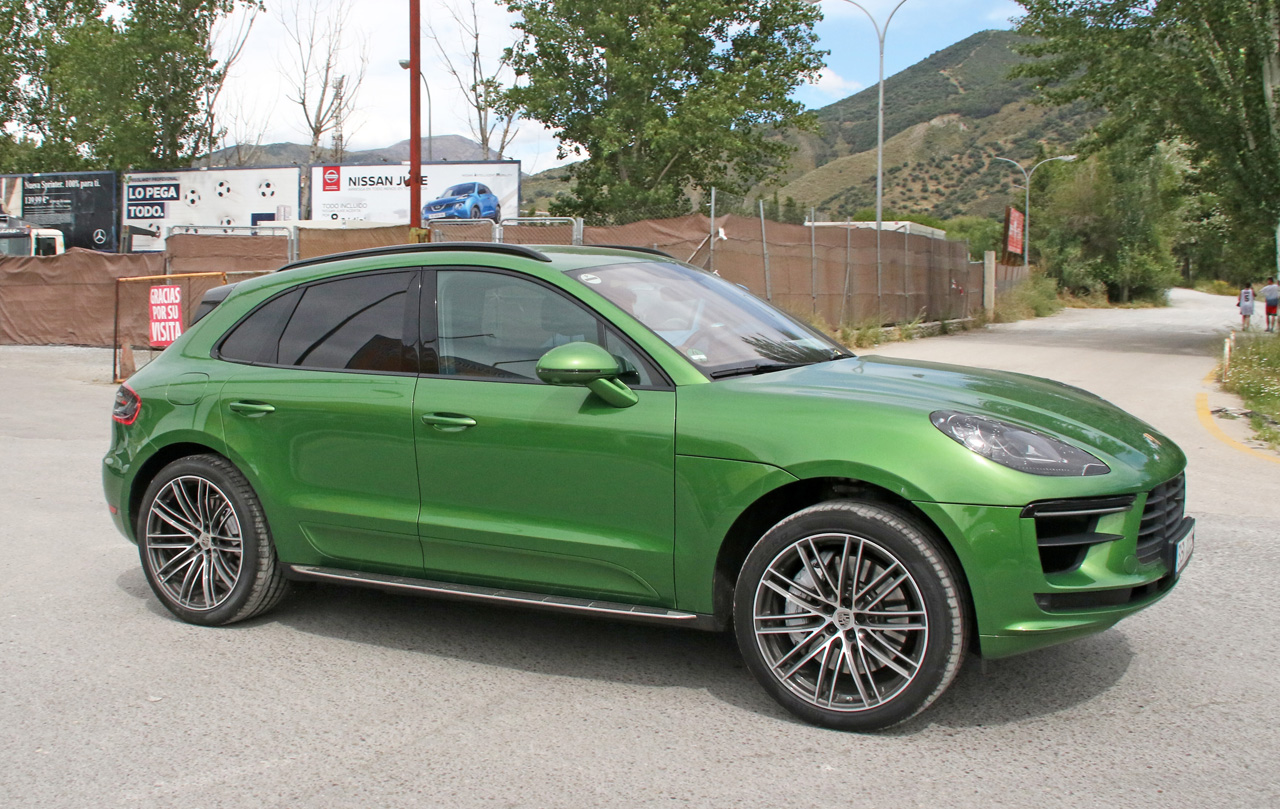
x,y
530,486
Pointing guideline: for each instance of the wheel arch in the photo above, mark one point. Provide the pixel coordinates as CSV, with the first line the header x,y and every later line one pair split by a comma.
x,y
151,467
780,503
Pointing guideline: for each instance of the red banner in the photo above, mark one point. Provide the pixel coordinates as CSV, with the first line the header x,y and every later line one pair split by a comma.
x,y
166,315
1013,230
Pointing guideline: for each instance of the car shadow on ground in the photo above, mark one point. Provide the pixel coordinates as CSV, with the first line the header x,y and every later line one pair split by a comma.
x,y
1002,691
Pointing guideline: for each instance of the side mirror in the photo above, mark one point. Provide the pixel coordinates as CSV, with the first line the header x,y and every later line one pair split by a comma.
x,y
589,365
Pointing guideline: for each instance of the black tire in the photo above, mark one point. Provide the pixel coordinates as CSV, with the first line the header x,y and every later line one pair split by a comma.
x,y
497,214
804,643
205,546
475,212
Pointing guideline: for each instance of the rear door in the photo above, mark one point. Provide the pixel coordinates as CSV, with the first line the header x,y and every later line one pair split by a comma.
x,y
320,416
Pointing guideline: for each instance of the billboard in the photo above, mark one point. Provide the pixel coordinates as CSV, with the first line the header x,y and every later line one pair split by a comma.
x,y
1013,231
381,193
84,205
229,198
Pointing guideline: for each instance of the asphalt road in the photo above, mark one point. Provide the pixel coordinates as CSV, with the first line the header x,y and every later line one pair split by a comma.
x,y
348,698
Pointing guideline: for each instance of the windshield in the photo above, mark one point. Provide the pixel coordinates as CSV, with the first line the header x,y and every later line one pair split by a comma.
x,y
15,245
460,190
719,326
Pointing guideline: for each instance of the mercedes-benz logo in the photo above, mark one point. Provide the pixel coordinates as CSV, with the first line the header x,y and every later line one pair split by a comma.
x,y
99,236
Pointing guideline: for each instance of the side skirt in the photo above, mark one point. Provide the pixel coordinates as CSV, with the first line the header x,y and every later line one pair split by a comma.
x,y
516,598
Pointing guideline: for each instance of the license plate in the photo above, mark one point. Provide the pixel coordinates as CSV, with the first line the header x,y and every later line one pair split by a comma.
x,y
436,215
1182,552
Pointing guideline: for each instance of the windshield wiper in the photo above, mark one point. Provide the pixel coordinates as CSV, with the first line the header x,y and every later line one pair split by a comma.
x,y
762,368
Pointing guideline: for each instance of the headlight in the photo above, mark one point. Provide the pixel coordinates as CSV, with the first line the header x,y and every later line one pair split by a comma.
x,y
1017,447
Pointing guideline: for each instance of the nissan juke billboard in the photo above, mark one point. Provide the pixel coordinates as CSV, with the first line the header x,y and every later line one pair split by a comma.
x,y
489,190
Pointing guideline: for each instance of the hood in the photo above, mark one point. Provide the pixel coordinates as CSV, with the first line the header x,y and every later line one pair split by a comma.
x,y
1059,410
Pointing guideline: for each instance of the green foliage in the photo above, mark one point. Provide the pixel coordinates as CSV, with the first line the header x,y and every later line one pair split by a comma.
x,y
662,97
791,213
120,91
1035,297
982,233
1110,221
865,334
1254,374
1202,72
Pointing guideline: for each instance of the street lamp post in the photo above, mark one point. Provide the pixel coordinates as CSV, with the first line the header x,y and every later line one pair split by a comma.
x,y
1026,206
415,115
404,63
880,34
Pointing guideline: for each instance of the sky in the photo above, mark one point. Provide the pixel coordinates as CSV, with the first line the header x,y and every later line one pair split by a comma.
x,y
255,98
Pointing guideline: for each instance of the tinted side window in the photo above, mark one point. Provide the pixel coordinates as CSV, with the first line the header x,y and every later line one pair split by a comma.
x,y
353,323
257,336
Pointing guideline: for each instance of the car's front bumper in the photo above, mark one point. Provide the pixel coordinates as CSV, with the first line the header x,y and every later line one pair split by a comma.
x,y
1023,602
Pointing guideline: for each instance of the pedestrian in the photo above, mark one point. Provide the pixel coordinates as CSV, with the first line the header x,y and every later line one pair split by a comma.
x,y
1245,302
1271,298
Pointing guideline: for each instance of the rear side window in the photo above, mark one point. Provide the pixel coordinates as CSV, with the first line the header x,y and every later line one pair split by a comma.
x,y
354,324
257,336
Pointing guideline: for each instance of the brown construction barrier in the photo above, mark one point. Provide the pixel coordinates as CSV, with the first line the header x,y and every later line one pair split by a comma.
x,y
186,253
67,299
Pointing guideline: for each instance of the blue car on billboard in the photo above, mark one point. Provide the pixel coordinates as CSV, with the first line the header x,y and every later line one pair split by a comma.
x,y
464,201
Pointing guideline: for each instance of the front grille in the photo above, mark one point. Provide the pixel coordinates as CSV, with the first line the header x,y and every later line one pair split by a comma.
x,y
1161,518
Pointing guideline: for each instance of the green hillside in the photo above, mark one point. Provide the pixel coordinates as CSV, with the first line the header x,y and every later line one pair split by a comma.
x,y
946,118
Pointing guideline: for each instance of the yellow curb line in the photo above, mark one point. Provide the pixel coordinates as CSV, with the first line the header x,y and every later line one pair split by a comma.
x,y
1206,418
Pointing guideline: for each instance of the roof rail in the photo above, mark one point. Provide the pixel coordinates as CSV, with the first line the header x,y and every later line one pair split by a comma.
x,y
430,247
653,251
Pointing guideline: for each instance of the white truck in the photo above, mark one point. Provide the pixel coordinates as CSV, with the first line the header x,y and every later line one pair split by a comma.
x,y
19,238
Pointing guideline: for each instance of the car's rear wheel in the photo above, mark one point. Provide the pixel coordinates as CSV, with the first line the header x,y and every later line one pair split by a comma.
x,y
850,615
205,546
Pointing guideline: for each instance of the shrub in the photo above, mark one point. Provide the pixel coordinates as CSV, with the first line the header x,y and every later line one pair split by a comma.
x,y
1254,375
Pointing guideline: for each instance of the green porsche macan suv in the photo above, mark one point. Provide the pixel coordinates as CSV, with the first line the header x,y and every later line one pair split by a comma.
x,y
611,432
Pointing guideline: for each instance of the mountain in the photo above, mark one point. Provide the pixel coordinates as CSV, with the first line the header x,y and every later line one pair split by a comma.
x,y
946,118
453,148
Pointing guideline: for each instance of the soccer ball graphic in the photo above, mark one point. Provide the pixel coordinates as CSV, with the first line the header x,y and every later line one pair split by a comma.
x,y
224,188
267,188
192,197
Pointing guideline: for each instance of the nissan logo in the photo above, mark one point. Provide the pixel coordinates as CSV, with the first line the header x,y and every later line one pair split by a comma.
x,y
331,175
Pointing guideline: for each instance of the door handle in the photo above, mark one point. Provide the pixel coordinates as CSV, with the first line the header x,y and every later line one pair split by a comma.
x,y
252,409
448,422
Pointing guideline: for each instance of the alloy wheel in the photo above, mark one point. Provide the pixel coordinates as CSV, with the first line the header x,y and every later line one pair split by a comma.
x,y
194,543
840,622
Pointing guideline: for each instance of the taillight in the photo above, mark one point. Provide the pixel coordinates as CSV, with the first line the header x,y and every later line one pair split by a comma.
x,y
128,405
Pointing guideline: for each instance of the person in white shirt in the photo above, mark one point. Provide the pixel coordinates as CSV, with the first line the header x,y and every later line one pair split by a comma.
x,y
1245,302
1271,298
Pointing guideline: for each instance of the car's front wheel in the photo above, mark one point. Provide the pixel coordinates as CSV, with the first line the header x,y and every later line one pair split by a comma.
x,y
204,542
850,615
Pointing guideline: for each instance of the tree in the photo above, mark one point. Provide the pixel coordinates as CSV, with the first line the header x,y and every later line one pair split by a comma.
x,y
1204,72
481,84
663,96
1110,222
121,90
324,83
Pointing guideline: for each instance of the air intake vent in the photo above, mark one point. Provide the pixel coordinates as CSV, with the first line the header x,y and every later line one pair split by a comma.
x,y
1161,518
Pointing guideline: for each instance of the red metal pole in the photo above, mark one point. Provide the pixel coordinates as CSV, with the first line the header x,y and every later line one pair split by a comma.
x,y
415,116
